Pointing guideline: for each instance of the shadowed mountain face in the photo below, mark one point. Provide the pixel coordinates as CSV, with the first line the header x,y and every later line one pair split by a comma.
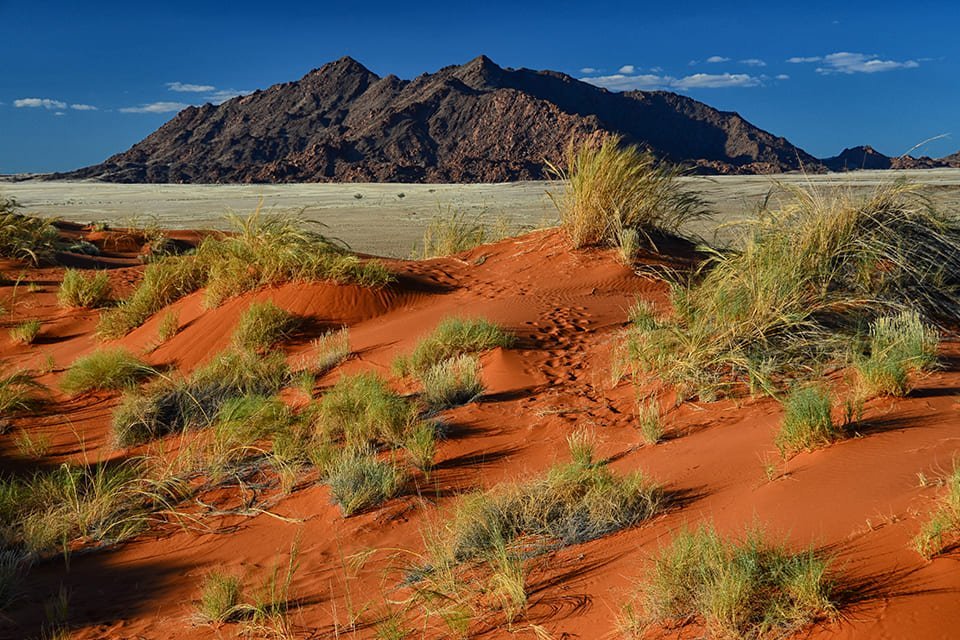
x,y
472,123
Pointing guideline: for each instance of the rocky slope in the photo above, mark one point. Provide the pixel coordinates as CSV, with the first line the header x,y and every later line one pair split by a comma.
x,y
476,122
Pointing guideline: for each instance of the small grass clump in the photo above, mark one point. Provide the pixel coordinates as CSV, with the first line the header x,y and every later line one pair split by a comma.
x,y
453,337
736,589
359,480
943,528
25,332
19,392
241,426
14,565
329,350
569,504
452,382
804,282
421,445
899,346
612,188
220,598
649,421
79,290
171,405
452,232
25,237
807,421
168,326
262,326
106,369
362,409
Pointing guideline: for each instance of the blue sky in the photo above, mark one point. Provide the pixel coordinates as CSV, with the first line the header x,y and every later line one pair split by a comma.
x,y
81,81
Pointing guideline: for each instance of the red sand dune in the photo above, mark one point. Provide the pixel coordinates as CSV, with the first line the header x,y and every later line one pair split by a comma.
x,y
860,498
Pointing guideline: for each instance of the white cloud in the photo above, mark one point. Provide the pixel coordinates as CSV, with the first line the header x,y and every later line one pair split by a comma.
x,y
185,87
627,82
783,76
588,70
156,107
717,59
754,62
58,113
83,107
802,59
36,103
847,62
627,68
716,81
222,95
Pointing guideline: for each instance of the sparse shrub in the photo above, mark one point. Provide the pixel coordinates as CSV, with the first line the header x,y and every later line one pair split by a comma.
x,y
25,237
18,392
79,290
807,421
25,332
611,187
220,598
329,350
899,346
453,337
106,369
452,232
736,589
943,527
363,409
359,480
649,421
168,326
263,325
172,405
804,281
452,382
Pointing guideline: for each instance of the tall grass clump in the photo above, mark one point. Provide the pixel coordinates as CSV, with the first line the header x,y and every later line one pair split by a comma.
x,y
263,325
452,232
26,332
612,187
747,588
261,250
170,405
943,528
25,237
807,421
899,345
362,409
328,351
359,480
220,598
79,290
452,382
453,337
105,369
806,279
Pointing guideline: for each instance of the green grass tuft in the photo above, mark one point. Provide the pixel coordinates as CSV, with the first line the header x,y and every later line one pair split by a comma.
x,y
452,382
19,392
453,337
106,369
262,326
807,421
79,290
25,237
744,589
899,346
359,480
25,332
220,598
943,527
362,409
452,232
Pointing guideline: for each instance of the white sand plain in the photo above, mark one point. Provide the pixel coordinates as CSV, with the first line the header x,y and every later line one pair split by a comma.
x,y
389,219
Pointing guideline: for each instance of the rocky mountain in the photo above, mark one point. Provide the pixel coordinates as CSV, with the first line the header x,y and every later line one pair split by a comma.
x,y
866,157
476,122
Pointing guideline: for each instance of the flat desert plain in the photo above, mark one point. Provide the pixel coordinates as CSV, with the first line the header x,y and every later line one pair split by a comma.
x,y
389,219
